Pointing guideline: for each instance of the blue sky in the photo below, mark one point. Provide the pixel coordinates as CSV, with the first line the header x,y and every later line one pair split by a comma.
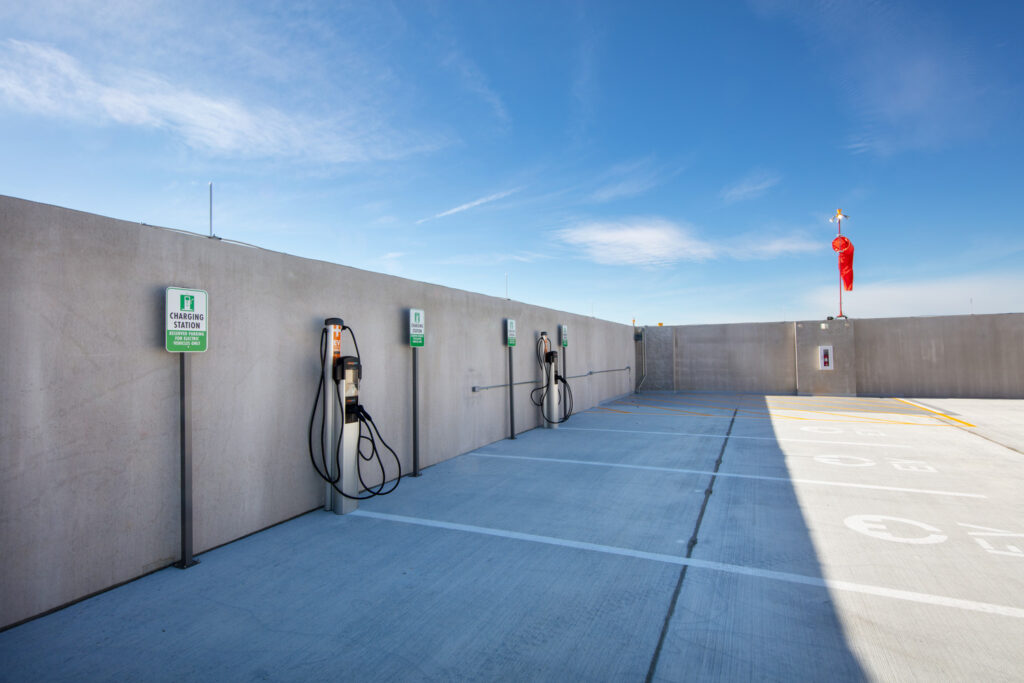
x,y
671,162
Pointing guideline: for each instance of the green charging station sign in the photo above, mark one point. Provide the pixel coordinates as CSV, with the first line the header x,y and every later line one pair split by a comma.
x,y
563,331
186,320
417,327
510,332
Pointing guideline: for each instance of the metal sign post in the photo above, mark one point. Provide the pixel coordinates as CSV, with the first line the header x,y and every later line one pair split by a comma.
x,y
185,332
563,333
510,342
417,336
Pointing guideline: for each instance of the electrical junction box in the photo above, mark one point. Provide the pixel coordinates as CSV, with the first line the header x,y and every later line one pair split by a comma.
x,y
510,332
563,334
826,358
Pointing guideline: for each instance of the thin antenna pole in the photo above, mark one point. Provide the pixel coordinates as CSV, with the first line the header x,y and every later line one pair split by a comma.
x,y
211,208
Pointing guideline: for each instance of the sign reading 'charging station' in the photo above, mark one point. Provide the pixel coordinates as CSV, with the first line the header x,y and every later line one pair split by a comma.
x,y
417,327
186,319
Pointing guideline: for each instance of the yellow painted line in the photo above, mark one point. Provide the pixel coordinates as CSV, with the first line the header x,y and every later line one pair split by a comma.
x,y
854,407
741,416
853,419
671,410
768,407
770,411
948,417
682,406
612,410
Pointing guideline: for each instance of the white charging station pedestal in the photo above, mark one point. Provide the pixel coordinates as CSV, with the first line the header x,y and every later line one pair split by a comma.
x,y
349,480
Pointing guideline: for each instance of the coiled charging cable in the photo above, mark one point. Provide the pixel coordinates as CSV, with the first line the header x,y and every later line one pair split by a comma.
x,y
370,437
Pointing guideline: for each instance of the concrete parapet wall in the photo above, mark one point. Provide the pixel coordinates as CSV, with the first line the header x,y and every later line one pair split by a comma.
x,y
811,378
963,356
743,357
89,446
971,356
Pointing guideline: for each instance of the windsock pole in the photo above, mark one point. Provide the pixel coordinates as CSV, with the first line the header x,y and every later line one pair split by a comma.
x,y
839,231
838,218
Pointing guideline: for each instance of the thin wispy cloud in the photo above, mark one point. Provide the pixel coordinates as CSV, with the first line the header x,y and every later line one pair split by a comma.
x,y
659,242
636,242
626,180
474,80
491,258
391,262
759,247
584,85
47,81
907,79
751,186
471,205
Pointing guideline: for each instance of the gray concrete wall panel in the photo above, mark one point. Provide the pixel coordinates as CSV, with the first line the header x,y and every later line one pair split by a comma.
x,y
750,357
89,399
811,379
967,356
661,358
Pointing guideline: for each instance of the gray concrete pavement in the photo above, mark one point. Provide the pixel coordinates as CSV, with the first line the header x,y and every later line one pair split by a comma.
x,y
844,539
999,420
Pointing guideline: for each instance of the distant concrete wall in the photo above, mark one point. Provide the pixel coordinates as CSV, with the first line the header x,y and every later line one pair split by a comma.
x,y
974,356
661,358
964,356
755,357
89,478
743,357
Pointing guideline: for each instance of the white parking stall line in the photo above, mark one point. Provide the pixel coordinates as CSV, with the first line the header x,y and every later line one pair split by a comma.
x,y
785,577
735,436
759,477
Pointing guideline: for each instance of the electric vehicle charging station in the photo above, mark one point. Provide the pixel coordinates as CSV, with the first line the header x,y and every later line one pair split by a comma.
x,y
340,454
550,384
555,408
342,464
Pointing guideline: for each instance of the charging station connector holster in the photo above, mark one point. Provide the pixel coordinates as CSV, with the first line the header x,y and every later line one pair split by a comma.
x,y
551,357
349,370
351,409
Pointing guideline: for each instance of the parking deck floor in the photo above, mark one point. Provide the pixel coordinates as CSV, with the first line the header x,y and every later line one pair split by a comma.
x,y
662,536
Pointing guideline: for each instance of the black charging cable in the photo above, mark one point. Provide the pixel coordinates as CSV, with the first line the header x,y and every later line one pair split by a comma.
x,y
364,420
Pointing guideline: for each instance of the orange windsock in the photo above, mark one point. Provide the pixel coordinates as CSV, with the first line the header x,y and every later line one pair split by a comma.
x,y
844,247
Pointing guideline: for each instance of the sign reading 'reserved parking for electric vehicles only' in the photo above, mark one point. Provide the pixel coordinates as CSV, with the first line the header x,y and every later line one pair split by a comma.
x,y
186,320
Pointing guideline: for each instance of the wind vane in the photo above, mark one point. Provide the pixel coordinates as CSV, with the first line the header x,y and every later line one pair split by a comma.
x,y
844,248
